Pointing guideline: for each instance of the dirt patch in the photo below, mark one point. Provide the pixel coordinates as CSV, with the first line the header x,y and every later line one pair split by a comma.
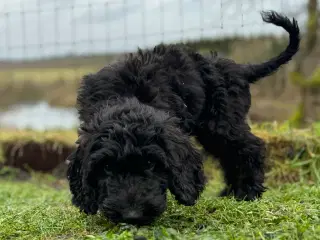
x,y
36,151
44,157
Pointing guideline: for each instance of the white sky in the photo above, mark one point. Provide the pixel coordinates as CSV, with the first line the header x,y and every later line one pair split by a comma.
x,y
42,28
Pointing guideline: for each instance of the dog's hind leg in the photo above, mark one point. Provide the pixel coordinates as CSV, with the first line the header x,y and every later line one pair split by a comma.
x,y
241,155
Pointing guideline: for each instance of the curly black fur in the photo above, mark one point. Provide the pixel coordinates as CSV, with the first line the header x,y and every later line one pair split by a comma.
x,y
136,118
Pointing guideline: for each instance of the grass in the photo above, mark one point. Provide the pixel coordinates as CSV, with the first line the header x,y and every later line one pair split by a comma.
x,y
45,75
57,86
65,137
36,210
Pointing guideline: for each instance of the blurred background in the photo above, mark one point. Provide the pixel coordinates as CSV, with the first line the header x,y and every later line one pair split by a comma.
x,y
46,46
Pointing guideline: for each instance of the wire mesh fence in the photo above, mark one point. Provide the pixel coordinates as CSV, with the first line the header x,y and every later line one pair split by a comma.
x,y
33,29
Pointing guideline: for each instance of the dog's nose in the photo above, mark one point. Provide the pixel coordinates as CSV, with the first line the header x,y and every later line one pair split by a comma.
x,y
131,216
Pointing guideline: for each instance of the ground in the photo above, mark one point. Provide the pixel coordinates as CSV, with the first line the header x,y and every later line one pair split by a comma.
x,y
38,210
40,207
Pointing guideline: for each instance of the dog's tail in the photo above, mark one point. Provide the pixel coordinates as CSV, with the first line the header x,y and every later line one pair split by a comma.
x,y
253,72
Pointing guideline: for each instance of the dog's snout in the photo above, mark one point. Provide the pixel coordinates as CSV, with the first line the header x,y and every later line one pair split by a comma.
x,y
132,216
133,199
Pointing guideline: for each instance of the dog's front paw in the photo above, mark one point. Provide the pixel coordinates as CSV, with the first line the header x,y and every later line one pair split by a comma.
x,y
244,193
226,192
186,201
89,208
247,194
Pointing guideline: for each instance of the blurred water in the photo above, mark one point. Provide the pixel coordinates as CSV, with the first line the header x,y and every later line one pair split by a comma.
x,y
39,116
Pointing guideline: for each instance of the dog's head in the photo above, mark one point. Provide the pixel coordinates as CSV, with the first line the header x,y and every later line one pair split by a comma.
x,y
128,156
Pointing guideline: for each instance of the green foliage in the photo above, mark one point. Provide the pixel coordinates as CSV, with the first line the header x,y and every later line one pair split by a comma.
x,y
306,82
297,118
297,76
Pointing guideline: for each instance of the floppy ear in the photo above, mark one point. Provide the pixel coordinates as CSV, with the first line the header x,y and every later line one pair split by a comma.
x,y
83,196
185,167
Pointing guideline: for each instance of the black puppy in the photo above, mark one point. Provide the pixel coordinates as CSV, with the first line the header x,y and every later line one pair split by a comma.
x,y
136,118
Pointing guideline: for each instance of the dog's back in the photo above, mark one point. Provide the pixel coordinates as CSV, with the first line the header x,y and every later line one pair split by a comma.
x,y
165,77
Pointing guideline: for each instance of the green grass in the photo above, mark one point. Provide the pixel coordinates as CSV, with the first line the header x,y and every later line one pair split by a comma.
x,y
44,75
34,210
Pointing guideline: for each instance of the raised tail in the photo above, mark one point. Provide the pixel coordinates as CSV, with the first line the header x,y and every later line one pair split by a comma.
x,y
253,72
